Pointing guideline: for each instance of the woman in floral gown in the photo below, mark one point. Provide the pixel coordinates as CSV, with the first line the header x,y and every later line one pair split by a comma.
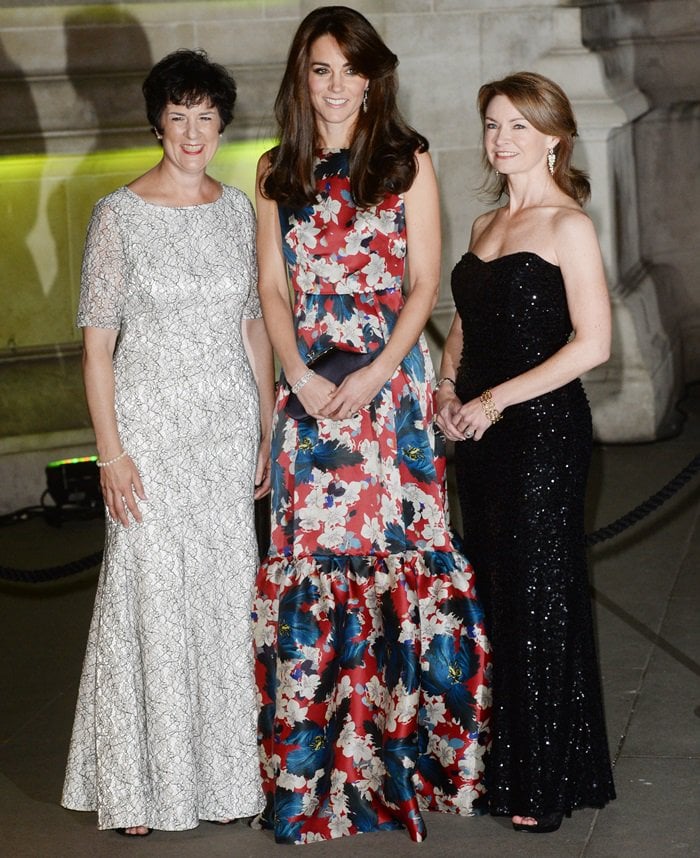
x,y
371,658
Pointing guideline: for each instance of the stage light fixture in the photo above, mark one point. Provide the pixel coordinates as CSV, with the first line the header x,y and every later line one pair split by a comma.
x,y
74,482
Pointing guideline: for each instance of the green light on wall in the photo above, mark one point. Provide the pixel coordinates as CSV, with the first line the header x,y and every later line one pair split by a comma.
x,y
234,163
45,205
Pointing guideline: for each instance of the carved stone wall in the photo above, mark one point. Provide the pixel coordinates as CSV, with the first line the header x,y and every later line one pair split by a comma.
x,y
72,128
656,47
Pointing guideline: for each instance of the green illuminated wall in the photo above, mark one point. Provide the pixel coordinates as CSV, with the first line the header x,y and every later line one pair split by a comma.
x,y
45,204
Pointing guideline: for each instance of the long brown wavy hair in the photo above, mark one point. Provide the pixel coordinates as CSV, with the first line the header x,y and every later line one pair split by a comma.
x,y
545,106
383,148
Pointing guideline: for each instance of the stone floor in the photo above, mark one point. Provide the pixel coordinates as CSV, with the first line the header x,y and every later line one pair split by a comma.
x,y
647,598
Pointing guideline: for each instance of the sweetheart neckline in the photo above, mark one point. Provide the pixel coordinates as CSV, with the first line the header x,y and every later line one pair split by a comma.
x,y
508,255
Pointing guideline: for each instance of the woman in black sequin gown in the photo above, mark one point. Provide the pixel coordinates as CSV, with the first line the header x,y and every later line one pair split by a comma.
x,y
532,316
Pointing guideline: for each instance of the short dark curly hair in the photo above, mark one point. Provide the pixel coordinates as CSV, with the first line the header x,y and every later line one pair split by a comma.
x,y
188,78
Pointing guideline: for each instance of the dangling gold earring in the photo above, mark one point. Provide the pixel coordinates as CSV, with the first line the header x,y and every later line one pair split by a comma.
x,y
551,161
364,100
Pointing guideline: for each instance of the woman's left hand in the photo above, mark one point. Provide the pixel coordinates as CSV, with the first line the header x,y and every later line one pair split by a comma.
x,y
470,422
355,392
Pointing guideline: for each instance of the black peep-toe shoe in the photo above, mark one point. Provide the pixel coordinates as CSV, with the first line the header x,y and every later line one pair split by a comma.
x,y
544,824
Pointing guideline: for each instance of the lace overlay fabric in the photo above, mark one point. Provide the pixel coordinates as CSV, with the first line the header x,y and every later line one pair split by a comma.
x,y
165,725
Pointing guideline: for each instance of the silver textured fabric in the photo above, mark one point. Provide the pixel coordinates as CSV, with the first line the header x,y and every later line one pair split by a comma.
x,y
165,725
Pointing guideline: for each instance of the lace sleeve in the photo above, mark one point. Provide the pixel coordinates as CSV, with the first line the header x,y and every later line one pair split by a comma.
x,y
103,278
252,309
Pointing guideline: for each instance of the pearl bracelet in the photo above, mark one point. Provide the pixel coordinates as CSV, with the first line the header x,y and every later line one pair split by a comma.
x,y
490,410
111,461
299,383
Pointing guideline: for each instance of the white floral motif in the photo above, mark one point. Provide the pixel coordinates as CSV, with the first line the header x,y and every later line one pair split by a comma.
x,y
353,243
404,707
372,777
328,208
373,532
398,248
289,781
375,271
483,696
376,692
306,234
441,749
358,748
434,710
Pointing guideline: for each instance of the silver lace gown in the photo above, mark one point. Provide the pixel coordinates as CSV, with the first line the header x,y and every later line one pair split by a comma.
x,y
165,726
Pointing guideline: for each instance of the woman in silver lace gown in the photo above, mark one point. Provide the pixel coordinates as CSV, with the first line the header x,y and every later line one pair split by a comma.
x,y
178,373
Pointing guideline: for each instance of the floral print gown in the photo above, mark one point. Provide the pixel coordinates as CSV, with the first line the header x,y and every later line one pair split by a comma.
x,y
371,657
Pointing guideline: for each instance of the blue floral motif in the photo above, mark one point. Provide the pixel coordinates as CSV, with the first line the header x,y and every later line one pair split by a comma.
x,y
347,646
396,658
297,627
363,814
321,455
311,752
398,785
335,163
414,365
414,450
267,658
288,804
444,674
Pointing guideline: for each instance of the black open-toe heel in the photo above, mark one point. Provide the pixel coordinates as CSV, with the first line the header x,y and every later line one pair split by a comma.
x,y
544,824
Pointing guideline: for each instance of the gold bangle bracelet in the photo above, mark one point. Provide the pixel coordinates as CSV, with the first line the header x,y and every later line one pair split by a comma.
x,y
490,410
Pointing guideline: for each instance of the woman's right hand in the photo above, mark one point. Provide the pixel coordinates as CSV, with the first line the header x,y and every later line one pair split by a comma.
x,y
314,395
121,489
448,408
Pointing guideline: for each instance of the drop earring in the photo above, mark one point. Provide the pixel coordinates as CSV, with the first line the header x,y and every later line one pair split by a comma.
x,y
364,100
551,161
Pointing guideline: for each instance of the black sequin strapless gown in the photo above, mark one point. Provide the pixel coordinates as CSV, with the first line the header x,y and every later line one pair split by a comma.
x,y
522,489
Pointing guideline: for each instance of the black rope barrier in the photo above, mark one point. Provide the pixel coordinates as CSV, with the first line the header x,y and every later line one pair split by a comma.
x,y
55,573
650,504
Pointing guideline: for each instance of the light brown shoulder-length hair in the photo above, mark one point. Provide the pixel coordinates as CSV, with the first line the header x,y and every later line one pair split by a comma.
x,y
545,106
384,146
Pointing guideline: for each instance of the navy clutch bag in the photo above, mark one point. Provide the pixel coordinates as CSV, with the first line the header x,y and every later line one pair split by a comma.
x,y
333,364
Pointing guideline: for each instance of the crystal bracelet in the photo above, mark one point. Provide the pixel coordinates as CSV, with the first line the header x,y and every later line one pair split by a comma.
x,y
490,410
111,461
299,383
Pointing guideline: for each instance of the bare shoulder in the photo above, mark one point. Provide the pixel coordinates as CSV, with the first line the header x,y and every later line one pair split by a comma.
x,y
264,163
425,172
423,159
571,222
480,225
